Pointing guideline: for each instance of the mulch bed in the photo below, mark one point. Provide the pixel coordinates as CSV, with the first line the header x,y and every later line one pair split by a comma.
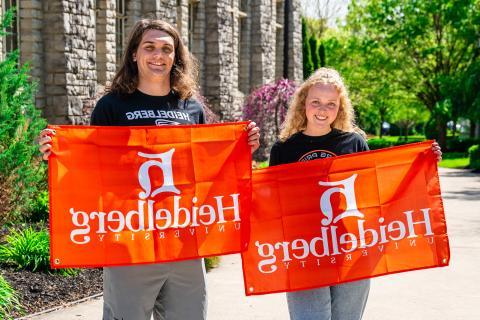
x,y
41,291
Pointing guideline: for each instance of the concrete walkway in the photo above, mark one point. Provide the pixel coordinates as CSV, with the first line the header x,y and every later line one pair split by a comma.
x,y
451,293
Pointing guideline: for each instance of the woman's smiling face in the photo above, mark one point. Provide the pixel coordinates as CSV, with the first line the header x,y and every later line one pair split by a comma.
x,y
155,55
321,108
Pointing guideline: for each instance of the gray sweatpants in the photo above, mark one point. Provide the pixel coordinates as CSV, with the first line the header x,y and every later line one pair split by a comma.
x,y
172,291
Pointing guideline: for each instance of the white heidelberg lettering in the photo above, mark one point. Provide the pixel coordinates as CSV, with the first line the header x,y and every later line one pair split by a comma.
x,y
330,244
154,114
148,219
301,249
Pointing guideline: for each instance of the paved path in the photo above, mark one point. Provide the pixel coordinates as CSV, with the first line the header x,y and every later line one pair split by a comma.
x,y
451,293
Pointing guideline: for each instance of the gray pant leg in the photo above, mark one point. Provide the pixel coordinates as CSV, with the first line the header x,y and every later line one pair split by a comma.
x,y
349,300
310,304
184,294
129,292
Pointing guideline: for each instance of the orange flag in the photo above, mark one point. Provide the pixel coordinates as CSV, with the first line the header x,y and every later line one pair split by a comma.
x,y
346,218
132,195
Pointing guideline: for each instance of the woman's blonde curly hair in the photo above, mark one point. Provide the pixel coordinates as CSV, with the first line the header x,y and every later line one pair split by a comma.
x,y
296,119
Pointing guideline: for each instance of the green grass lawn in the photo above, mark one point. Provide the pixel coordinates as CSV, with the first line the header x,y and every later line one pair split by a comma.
x,y
456,160
411,138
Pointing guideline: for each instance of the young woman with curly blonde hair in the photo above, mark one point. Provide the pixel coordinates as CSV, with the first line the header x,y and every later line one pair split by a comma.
x,y
320,123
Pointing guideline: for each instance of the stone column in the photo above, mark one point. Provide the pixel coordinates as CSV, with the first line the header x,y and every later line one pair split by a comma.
x,y
70,70
295,68
197,38
220,80
56,101
160,9
31,46
263,48
105,40
279,45
133,13
182,20
244,48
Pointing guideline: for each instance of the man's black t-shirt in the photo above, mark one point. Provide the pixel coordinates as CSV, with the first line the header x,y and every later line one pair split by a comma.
x,y
300,147
140,109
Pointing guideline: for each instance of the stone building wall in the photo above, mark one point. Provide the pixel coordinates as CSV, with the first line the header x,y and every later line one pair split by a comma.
x,y
133,13
196,42
105,40
244,47
31,45
279,37
73,47
182,19
78,48
263,47
295,68
54,58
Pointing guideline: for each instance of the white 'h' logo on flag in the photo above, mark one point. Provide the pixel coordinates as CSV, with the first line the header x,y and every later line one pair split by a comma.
x,y
144,176
348,191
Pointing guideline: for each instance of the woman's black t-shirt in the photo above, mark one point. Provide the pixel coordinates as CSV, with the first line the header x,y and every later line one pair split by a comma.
x,y
140,109
300,147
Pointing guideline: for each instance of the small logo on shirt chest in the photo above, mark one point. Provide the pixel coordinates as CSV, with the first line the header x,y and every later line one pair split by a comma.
x,y
316,154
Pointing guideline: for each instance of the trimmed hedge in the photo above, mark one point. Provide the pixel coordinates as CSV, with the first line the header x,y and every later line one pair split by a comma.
x,y
378,143
474,154
461,144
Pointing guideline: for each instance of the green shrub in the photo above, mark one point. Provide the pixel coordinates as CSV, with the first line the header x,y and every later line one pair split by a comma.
x,y
40,208
9,300
308,67
29,250
313,43
474,154
459,144
431,129
374,144
377,143
22,175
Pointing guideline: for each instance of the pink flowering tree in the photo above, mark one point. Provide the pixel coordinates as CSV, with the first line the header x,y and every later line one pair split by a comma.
x,y
267,106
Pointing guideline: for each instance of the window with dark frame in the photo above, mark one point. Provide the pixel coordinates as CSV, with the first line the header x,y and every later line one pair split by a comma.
x,y
192,13
243,38
119,30
12,39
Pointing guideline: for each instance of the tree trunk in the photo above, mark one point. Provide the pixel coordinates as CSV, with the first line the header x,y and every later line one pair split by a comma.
x,y
472,128
442,133
477,129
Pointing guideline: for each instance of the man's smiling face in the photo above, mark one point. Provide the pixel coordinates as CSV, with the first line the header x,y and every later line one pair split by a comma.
x,y
155,55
